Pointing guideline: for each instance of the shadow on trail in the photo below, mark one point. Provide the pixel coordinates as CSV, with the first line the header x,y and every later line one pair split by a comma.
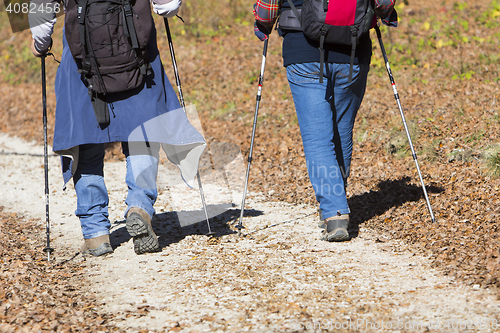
x,y
172,227
390,193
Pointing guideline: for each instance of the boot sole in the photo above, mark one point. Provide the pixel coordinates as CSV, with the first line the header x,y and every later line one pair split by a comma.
x,y
145,240
104,248
336,230
337,235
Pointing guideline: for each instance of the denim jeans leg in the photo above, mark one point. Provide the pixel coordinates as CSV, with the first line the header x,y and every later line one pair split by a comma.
x,y
91,192
347,98
142,170
326,113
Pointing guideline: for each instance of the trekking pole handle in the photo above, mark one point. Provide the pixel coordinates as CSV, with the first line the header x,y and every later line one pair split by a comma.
x,y
386,61
262,67
174,63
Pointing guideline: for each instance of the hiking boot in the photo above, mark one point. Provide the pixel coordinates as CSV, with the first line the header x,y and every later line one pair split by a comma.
x,y
97,246
336,228
139,227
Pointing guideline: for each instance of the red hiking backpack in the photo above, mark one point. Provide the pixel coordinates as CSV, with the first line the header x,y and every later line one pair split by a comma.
x,y
331,21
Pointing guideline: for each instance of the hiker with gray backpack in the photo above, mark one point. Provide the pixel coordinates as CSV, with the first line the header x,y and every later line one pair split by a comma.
x,y
326,52
111,87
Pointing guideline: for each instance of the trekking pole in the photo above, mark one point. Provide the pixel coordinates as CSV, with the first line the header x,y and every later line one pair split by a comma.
x,y
47,249
259,93
181,98
396,96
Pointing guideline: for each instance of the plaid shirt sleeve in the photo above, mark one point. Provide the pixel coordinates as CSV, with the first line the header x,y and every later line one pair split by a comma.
x,y
266,12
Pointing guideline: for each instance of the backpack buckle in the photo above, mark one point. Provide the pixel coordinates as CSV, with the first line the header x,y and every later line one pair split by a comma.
x,y
127,9
80,17
85,68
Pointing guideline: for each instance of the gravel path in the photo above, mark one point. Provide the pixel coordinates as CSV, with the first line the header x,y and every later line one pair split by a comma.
x,y
276,277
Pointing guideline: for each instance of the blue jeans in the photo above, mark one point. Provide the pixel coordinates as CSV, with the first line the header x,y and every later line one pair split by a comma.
x,y
91,192
326,113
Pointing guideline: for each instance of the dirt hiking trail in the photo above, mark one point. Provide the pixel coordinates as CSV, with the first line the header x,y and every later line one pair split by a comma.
x,y
277,277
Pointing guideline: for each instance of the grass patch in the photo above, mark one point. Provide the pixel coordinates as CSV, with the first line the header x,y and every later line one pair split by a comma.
x,y
398,143
429,150
491,161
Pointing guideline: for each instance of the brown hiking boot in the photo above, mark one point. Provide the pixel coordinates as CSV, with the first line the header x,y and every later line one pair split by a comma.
x,y
97,246
336,228
139,227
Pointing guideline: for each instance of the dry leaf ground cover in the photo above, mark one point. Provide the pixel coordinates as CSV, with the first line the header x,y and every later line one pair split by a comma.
x,y
445,59
36,296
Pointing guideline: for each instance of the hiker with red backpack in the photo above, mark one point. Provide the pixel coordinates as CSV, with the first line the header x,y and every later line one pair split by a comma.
x,y
326,53
111,87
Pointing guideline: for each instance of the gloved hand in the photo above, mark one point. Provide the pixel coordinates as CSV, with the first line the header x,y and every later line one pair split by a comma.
x,y
391,20
384,9
38,53
259,31
167,8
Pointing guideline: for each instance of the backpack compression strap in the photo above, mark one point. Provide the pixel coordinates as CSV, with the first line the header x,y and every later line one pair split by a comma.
x,y
130,30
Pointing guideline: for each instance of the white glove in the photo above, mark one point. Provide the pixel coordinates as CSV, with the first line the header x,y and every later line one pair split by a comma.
x,y
166,8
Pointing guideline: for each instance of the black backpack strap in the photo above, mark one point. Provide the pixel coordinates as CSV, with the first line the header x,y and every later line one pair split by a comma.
x,y
354,41
321,41
130,29
322,53
82,10
89,61
99,103
100,106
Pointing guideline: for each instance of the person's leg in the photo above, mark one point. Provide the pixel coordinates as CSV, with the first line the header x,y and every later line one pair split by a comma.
x,y
346,101
92,199
316,120
142,169
347,98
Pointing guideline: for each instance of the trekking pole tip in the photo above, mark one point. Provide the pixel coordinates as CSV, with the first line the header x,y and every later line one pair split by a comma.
x,y
240,228
49,251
